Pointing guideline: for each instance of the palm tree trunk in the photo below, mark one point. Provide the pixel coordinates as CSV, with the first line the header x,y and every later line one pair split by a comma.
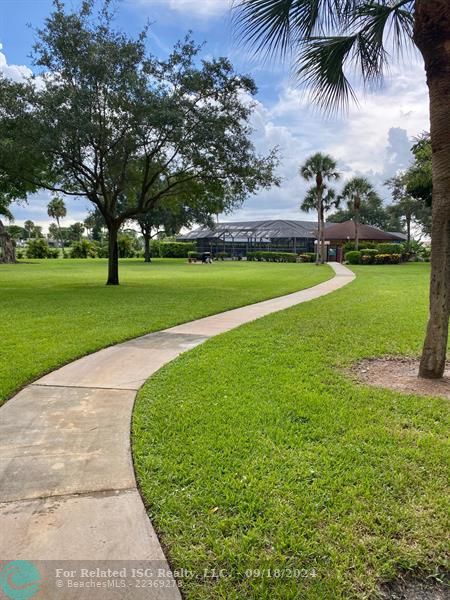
x,y
319,237
356,221
323,256
432,35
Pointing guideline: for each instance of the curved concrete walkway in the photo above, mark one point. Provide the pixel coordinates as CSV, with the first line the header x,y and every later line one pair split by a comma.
x,y
67,485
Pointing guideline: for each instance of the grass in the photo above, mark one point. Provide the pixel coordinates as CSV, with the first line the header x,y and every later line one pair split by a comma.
x,y
54,311
257,456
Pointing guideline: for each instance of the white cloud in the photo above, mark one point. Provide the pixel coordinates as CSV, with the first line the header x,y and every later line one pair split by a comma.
x,y
200,8
374,139
15,72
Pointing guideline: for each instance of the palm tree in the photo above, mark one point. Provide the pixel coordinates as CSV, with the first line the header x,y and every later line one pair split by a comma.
x,y
56,209
29,227
320,168
357,192
329,200
328,37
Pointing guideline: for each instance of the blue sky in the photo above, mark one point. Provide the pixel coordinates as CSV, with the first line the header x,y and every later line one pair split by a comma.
x,y
373,139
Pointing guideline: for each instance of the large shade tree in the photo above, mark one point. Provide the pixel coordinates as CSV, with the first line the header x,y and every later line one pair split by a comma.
x,y
109,118
358,192
320,168
329,37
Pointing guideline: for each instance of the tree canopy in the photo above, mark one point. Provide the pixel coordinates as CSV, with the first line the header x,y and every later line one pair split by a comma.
x,y
126,129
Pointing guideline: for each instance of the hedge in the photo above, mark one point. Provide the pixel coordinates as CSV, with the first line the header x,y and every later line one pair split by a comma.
x,y
388,259
176,249
272,256
390,248
307,257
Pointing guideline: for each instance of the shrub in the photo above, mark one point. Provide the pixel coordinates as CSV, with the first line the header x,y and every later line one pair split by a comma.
x,y
103,251
193,255
128,245
349,246
368,256
222,255
272,256
83,249
307,257
176,249
39,248
353,257
390,248
388,259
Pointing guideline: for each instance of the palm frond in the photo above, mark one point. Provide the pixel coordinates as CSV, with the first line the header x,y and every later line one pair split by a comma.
x,y
276,26
327,37
320,67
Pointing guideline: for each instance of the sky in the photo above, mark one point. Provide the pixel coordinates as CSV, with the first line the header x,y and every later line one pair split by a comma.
x,y
372,139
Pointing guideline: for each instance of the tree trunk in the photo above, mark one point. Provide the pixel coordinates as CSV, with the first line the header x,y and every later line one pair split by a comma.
x,y
432,36
7,246
318,233
147,248
322,237
356,221
408,230
113,256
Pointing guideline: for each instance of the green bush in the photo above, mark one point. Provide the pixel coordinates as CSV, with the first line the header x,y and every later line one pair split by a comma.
x,y
272,256
103,250
39,248
353,257
176,249
222,255
349,246
388,259
368,256
390,248
128,245
83,249
307,257
193,255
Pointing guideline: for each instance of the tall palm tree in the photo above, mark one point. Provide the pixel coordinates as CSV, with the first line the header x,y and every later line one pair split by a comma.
x,y
327,37
56,209
357,192
329,200
29,227
320,168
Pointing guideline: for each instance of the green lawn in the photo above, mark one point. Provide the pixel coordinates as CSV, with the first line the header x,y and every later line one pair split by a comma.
x,y
257,455
53,311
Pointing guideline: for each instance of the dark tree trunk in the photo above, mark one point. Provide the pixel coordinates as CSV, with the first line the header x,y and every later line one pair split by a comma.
x,y
319,231
147,248
356,222
322,236
408,229
432,36
8,254
113,256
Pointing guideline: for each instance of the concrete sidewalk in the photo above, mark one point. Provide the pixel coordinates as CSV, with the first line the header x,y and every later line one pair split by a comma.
x,y
67,484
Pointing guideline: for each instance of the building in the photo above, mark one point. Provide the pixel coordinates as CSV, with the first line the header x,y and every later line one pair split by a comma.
x,y
238,238
338,234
